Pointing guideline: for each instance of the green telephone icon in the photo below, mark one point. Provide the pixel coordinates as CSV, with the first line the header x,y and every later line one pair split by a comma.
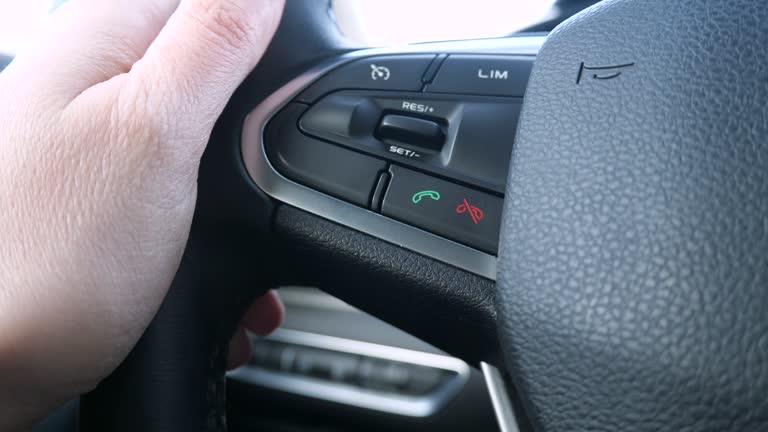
x,y
427,193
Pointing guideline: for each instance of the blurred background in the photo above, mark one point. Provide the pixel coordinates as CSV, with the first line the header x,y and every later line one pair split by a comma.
x,y
20,20
367,22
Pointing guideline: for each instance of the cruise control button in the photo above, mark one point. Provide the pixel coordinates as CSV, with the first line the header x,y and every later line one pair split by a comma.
x,y
459,213
483,75
379,73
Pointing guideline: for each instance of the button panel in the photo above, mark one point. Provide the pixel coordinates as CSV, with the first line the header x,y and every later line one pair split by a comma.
x,y
452,211
466,138
424,139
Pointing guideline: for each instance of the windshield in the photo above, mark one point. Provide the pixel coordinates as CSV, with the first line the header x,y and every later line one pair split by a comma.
x,y
365,22
20,20
397,22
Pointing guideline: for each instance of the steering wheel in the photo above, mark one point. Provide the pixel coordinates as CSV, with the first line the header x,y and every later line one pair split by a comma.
x,y
629,288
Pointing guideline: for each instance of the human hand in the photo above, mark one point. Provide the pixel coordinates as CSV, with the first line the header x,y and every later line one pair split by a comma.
x,y
103,124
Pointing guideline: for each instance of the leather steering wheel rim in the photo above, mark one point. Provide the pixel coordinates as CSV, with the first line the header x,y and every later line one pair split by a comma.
x,y
631,292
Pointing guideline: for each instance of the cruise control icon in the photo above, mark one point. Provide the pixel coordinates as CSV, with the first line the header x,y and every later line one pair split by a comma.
x,y
379,73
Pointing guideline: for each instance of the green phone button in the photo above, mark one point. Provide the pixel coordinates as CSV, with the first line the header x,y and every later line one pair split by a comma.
x,y
417,197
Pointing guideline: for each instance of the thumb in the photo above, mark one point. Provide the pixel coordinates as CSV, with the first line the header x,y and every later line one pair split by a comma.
x,y
201,56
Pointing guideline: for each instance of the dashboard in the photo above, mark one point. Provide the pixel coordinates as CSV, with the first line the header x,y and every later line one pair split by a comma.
x,y
334,365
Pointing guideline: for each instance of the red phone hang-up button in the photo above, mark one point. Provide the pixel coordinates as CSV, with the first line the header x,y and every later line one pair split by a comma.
x,y
474,212
456,212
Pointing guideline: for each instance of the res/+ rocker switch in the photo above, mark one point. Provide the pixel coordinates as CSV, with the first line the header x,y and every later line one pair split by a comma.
x,y
412,131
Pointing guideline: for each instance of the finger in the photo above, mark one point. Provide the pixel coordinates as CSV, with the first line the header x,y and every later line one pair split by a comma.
x,y
239,350
203,53
87,42
264,315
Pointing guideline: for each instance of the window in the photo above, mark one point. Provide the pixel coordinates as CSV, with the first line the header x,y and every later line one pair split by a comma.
x,y
21,21
396,22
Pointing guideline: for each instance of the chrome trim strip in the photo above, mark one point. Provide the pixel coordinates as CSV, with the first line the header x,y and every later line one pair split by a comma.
x,y
312,298
282,189
502,405
411,406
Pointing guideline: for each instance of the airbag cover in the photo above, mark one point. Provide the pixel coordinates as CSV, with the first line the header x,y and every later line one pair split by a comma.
x,y
633,281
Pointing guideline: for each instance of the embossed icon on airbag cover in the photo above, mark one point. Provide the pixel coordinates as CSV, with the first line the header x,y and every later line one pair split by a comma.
x,y
601,72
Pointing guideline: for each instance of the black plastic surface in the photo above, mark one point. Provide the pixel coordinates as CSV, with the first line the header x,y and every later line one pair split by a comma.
x,y
328,168
412,131
424,297
429,75
378,193
402,73
479,131
456,212
342,115
483,75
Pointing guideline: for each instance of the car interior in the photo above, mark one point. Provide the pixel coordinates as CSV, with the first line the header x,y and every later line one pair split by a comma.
x,y
545,221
